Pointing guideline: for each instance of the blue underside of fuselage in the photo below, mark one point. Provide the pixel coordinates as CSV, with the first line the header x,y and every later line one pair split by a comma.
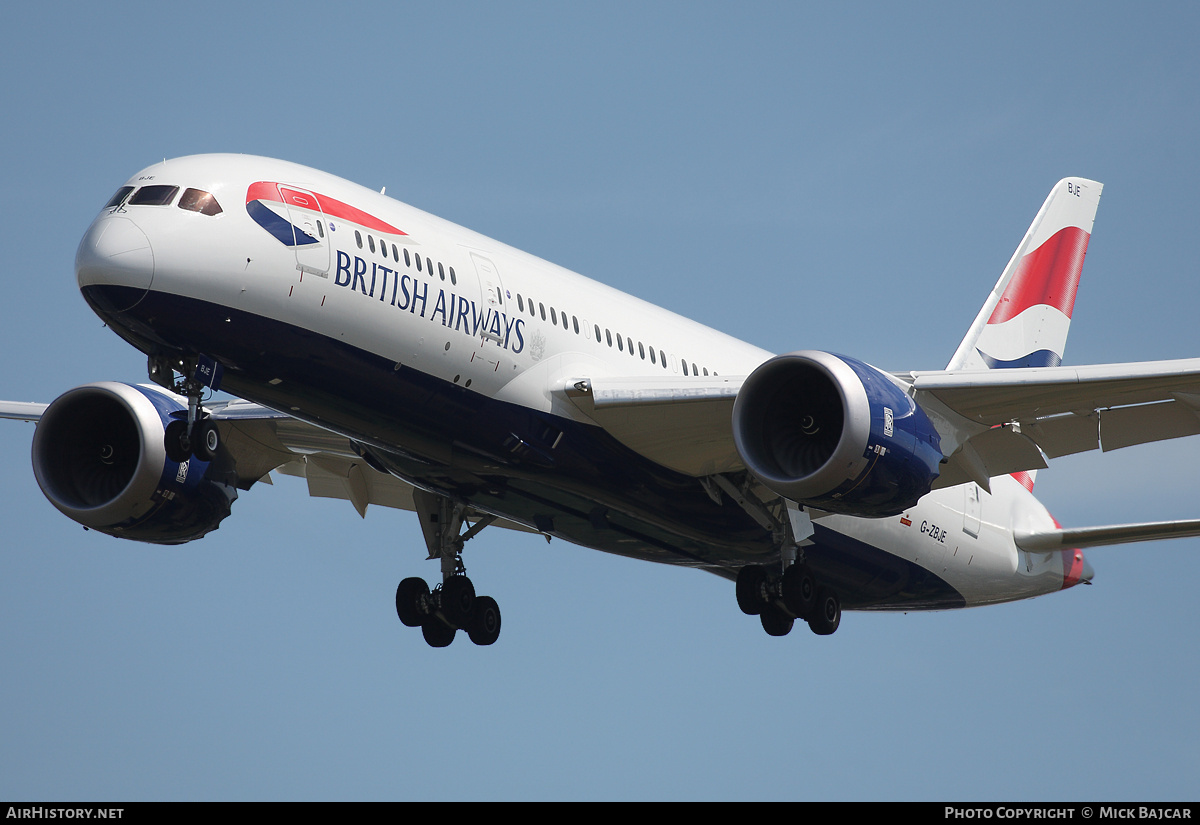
x,y
568,479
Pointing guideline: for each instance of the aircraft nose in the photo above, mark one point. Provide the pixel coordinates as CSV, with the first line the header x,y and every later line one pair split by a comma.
x,y
115,258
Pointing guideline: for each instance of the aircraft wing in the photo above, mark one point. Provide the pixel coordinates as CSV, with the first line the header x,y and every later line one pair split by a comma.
x,y
1002,421
258,440
992,422
679,422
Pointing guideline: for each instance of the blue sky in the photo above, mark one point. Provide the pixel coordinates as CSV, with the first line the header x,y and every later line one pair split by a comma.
x,y
849,178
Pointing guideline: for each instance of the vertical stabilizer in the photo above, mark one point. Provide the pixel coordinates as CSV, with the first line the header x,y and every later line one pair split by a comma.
x,y
1025,320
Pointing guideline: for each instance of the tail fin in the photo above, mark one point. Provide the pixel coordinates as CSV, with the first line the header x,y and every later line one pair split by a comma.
x,y
1025,320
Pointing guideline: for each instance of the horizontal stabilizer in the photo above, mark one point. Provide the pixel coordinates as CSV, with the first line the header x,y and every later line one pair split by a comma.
x,y
1081,537
22,410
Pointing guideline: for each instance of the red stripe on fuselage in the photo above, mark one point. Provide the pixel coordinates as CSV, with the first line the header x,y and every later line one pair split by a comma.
x,y
332,207
1048,275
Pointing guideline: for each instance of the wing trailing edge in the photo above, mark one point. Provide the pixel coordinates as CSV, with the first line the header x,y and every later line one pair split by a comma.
x,y
994,421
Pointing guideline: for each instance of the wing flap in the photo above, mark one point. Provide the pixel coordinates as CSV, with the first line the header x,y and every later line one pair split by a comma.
x,y
1067,434
997,396
995,452
1062,410
336,476
328,462
1127,426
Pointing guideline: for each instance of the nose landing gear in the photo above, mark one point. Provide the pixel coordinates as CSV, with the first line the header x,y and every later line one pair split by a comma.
x,y
197,436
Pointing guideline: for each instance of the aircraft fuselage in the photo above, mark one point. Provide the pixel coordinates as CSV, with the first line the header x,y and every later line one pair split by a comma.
x,y
446,354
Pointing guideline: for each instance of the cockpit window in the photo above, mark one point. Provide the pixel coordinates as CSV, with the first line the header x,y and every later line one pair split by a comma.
x,y
197,200
158,195
119,198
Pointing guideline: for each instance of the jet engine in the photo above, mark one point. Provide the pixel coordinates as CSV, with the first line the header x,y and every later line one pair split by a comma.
x,y
99,456
834,433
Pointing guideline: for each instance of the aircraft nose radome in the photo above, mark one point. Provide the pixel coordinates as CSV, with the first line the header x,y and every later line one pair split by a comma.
x,y
115,252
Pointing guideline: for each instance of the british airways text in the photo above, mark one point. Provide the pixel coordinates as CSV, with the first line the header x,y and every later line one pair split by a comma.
x,y
403,291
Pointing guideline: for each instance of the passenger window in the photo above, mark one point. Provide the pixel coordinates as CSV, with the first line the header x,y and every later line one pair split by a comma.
x,y
685,372
441,272
358,238
197,200
454,280
407,262
575,323
520,302
620,343
542,308
418,257
371,242
652,361
395,252
608,335
118,198
160,195
320,229
553,318
564,320
641,350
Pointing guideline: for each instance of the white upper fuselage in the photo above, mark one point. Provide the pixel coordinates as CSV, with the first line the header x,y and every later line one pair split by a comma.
x,y
390,280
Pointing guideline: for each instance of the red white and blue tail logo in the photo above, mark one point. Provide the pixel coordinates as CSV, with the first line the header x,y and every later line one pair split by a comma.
x,y
277,208
1026,318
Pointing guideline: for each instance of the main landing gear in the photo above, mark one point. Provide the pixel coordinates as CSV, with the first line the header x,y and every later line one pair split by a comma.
x,y
452,605
778,600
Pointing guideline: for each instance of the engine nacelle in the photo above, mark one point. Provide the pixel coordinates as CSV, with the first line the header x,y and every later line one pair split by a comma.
x,y
99,456
836,434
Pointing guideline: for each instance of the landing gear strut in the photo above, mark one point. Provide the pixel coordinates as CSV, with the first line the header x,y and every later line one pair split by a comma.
x,y
197,436
452,605
779,595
